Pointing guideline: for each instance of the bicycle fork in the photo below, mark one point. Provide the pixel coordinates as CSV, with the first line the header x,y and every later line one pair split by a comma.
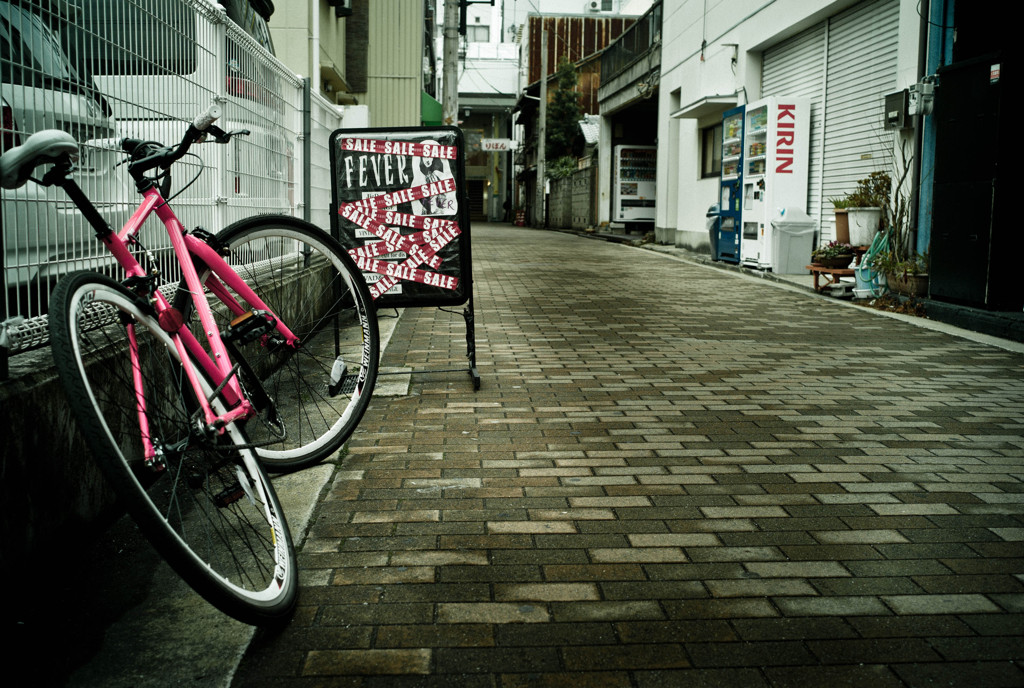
x,y
151,457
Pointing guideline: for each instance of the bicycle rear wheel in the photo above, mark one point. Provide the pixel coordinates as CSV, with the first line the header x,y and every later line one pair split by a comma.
x,y
209,510
321,389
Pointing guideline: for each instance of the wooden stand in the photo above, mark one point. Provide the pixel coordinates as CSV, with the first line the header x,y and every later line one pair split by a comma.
x,y
831,276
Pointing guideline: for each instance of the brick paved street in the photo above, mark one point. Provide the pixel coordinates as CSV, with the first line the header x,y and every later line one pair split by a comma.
x,y
671,476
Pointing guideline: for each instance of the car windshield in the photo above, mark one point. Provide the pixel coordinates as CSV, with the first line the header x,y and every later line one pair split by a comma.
x,y
29,52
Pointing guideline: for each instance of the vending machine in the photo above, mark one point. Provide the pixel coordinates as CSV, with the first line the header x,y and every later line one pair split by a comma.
x,y
776,151
634,183
726,246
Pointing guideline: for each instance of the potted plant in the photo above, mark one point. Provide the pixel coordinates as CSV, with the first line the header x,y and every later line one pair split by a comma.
x,y
864,207
905,270
840,207
907,275
834,254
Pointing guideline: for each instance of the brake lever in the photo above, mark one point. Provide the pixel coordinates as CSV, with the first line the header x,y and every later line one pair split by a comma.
x,y
221,136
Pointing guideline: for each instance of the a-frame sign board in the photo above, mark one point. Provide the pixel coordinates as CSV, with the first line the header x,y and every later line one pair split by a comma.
x,y
399,208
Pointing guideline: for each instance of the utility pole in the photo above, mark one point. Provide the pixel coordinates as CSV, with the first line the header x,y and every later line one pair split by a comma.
x,y
542,133
450,73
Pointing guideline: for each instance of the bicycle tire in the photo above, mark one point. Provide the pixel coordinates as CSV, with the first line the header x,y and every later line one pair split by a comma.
x,y
309,281
211,512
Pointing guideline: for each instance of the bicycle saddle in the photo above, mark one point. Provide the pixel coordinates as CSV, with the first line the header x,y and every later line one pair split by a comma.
x,y
41,147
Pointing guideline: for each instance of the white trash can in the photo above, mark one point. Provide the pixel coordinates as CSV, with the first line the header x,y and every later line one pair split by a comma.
x,y
792,241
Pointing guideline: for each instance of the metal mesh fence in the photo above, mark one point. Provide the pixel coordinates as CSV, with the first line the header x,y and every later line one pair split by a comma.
x,y
106,69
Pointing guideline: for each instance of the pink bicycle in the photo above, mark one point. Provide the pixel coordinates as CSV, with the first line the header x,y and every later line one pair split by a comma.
x,y
262,356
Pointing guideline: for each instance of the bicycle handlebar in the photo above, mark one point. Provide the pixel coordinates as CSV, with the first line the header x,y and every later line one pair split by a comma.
x,y
148,155
202,122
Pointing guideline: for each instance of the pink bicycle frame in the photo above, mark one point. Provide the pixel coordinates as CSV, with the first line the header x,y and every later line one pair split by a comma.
x,y
215,362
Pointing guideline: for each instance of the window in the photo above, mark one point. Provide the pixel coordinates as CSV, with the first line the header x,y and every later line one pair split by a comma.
x,y
711,151
478,33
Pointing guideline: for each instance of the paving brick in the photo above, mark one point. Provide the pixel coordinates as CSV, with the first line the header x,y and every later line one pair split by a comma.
x,y
880,585
792,628
577,679
384,575
546,592
376,662
889,626
858,536
611,610
988,674
844,606
720,608
553,634
530,527
413,635
382,613
496,612
940,604
638,555
793,569
618,657
854,676
742,554
460,661
737,654
765,587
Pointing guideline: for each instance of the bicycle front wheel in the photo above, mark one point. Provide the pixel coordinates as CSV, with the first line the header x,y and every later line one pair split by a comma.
x,y
204,502
319,390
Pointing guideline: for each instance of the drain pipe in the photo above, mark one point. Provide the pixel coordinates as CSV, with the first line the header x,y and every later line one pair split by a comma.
x,y
915,181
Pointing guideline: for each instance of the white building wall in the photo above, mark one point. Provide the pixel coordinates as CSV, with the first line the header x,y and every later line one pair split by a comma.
x,y
719,54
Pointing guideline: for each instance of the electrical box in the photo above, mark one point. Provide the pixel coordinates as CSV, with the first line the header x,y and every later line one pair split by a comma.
x,y
897,111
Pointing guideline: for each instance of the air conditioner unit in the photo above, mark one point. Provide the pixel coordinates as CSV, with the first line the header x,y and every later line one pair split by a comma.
x,y
342,8
592,6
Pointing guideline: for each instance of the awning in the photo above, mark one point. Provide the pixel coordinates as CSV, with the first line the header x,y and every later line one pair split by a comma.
x,y
708,105
431,111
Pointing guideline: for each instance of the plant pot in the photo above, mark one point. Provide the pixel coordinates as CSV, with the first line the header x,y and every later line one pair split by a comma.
x,y
863,224
867,281
909,285
835,261
842,226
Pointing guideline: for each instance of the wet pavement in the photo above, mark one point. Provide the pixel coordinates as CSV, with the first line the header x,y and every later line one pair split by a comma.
x,y
672,475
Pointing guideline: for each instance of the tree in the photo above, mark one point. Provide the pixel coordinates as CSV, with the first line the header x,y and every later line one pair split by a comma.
x,y
563,128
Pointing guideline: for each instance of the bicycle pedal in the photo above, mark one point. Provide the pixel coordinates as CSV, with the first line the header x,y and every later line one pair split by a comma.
x,y
229,496
249,326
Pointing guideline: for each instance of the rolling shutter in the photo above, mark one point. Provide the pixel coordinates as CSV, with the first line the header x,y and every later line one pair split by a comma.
x,y
796,69
845,65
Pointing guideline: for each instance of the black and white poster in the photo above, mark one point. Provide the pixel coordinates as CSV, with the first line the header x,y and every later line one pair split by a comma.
x,y
400,211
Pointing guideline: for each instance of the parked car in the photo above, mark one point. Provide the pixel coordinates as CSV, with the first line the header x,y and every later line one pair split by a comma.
x,y
41,88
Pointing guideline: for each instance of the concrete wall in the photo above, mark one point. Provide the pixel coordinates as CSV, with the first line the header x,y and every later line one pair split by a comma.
x,y
52,491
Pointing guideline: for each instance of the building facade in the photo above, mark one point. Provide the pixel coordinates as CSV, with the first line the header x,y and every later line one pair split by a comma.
x,y
843,57
377,56
868,71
